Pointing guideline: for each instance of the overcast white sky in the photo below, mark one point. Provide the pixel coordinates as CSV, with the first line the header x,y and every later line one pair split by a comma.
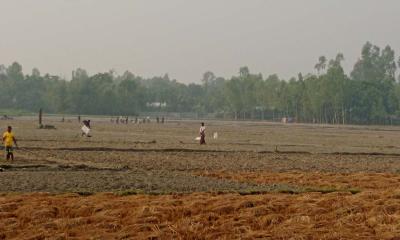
x,y
185,38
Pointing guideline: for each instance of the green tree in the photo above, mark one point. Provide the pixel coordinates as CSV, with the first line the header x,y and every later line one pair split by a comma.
x,y
321,65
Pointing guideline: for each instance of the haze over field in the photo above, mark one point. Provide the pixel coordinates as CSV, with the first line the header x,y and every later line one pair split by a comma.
x,y
185,38
200,119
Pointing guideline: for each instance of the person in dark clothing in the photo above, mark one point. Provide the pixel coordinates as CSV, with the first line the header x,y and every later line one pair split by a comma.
x,y
202,134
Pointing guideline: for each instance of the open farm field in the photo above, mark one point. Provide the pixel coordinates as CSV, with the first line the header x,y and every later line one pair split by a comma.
x,y
154,181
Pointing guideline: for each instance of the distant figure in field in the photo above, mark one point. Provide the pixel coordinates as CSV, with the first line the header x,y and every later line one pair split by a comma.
x,y
79,118
202,134
86,123
86,128
9,140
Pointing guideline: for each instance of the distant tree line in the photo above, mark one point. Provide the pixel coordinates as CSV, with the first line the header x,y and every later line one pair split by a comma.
x,y
369,95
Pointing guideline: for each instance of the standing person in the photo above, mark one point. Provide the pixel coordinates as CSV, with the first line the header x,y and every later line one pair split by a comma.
x,y
9,140
202,134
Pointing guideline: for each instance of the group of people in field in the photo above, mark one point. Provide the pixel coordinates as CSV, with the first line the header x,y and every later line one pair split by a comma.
x,y
9,139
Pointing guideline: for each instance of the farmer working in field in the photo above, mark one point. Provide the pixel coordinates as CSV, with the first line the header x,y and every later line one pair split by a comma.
x,y
202,134
86,128
9,140
86,123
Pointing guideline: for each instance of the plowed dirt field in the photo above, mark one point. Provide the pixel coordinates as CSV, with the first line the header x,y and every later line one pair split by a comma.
x,y
153,181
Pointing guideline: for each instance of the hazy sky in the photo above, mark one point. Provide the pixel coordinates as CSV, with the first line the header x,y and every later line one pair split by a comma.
x,y
185,38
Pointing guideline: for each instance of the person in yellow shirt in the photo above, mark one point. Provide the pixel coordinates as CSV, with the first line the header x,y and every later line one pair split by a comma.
x,y
9,140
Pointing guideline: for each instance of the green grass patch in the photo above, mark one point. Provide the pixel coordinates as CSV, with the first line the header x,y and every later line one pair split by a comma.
x,y
15,112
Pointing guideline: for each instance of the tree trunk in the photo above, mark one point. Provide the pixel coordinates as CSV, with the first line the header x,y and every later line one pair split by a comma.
x,y
335,118
273,115
343,115
40,117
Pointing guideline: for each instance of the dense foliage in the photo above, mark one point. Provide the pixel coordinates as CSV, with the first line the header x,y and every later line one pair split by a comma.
x,y
369,95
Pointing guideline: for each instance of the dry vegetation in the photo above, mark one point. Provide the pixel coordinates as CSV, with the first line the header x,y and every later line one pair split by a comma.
x,y
257,180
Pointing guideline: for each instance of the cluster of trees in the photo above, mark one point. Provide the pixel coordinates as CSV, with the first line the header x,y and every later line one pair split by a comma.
x,y
369,95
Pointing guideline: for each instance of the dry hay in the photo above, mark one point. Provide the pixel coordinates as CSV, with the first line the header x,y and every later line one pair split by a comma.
x,y
364,181
202,216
